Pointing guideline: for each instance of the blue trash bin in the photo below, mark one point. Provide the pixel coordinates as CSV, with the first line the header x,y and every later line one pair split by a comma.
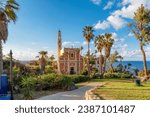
x,y
7,97
3,84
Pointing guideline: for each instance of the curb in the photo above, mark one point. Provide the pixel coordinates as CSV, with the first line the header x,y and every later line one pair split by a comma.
x,y
89,95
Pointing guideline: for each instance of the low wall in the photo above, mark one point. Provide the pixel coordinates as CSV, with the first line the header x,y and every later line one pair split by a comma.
x,y
89,95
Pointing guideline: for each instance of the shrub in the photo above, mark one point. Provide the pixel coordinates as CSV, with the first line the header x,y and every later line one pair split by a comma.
x,y
54,81
78,78
114,70
126,75
45,82
27,84
116,75
84,72
16,78
49,70
94,73
66,83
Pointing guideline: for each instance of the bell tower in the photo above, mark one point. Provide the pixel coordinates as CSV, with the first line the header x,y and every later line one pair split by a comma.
x,y
59,47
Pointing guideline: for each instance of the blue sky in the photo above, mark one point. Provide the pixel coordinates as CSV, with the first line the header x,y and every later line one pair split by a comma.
x,y
39,21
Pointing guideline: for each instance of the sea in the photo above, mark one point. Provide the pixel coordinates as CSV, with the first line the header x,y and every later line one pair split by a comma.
x,y
134,64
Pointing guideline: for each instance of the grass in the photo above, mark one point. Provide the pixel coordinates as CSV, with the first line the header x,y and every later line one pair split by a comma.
x,y
122,89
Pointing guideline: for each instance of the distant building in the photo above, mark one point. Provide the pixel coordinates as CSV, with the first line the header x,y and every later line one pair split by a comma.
x,y
69,60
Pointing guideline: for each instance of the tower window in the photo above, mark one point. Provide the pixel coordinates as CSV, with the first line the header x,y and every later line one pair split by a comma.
x,y
72,55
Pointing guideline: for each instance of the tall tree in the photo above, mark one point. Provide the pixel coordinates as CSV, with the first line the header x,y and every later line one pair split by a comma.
x,y
107,42
88,35
8,10
115,57
91,59
99,45
42,60
141,29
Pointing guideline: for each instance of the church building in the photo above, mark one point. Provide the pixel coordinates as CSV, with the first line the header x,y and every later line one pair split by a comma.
x,y
69,60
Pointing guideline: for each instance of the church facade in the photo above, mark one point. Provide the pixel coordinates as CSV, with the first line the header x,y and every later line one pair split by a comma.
x,y
69,60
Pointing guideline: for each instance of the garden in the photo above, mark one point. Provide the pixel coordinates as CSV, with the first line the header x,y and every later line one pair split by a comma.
x,y
122,89
34,86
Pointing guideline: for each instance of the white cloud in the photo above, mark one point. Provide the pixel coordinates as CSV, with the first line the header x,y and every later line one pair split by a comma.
x,y
130,34
85,43
92,42
102,25
21,53
133,54
117,18
125,52
125,2
128,11
97,2
71,44
116,21
109,5
121,47
119,42
27,54
114,35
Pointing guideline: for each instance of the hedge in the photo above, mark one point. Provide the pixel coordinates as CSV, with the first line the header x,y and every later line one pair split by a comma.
x,y
116,75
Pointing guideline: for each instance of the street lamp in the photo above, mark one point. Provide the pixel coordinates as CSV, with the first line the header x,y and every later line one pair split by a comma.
x,y
11,78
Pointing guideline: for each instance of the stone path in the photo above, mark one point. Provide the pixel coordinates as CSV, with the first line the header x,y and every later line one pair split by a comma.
x,y
77,94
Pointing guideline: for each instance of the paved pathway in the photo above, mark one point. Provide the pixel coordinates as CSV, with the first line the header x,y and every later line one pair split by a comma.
x,y
77,94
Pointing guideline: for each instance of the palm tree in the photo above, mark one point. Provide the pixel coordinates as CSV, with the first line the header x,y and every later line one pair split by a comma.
x,y
115,57
99,45
52,58
141,29
8,10
107,42
91,60
95,58
42,60
88,35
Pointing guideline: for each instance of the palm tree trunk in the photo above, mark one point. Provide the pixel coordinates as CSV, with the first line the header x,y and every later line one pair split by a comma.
x,y
95,61
104,65
42,69
100,63
112,68
88,64
1,58
144,62
100,67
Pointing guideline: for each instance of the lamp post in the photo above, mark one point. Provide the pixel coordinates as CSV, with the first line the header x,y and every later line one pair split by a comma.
x,y
11,78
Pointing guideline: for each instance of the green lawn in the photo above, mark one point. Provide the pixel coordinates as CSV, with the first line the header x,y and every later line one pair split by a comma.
x,y
124,89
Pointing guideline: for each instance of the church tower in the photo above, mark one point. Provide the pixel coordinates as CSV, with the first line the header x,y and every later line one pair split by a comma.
x,y
59,47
